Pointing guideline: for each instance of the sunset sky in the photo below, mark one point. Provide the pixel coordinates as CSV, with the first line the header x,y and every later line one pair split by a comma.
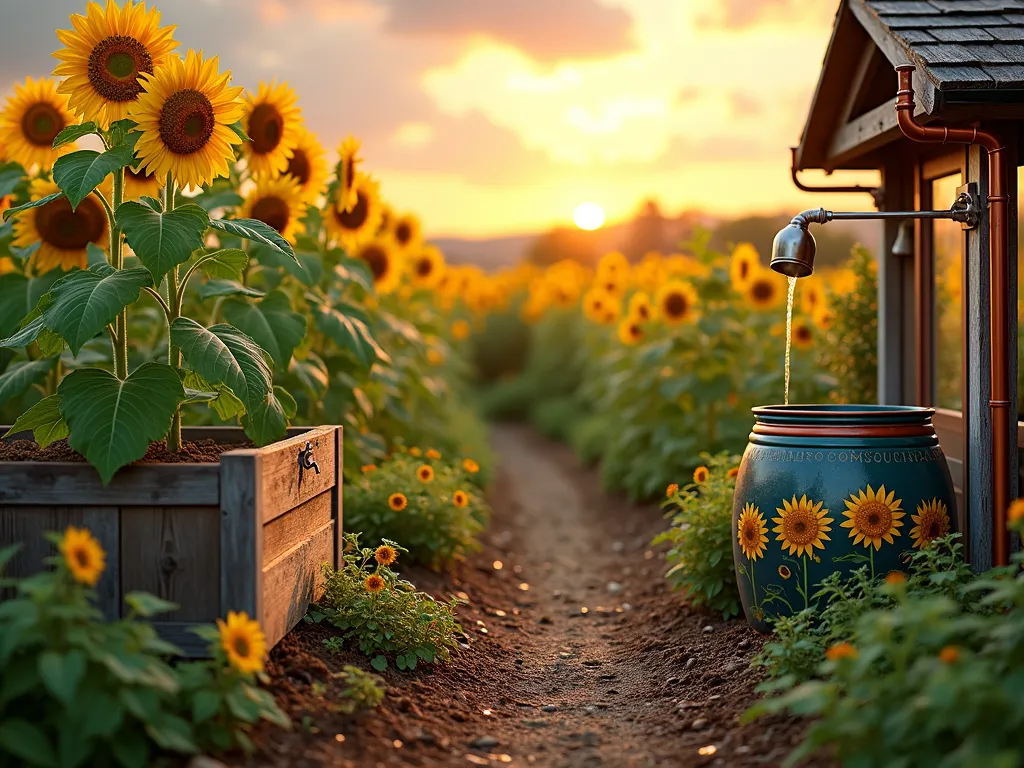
x,y
492,117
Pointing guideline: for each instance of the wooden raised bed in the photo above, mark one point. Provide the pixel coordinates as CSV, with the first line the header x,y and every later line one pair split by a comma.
x,y
247,534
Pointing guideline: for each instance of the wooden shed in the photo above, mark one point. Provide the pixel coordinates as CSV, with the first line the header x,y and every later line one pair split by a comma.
x,y
934,302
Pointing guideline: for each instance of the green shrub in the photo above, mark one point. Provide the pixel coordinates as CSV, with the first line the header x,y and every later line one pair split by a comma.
x,y
363,690
850,351
438,519
383,614
701,538
78,691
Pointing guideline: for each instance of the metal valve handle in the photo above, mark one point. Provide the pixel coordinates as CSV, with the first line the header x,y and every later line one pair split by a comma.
x,y
306,460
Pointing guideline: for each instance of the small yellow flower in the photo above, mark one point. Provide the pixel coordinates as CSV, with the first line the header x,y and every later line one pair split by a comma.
x,y
1016,511
950,654
83,554
368,468
732,473
841,651
414,451
460,499
374,583
470,466
701,474
425,473
673,488
433,455
435,357
243,642
385,555
461,330
397,502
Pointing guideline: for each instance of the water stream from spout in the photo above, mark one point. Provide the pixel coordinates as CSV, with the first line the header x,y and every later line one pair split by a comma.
x,y
789,330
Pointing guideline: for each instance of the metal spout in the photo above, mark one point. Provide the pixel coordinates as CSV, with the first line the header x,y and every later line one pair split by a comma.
x,y
793,248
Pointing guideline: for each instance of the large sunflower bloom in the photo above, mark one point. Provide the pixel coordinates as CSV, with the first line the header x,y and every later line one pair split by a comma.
x,y
677,302
277,203
752,532
630,332
272,120
803,336
360,223
104,56
31,120
764,290
383,260
427,267
308,165
801,526
743,266
83,555
640,308
243,642
348,162
931,522
407,231
873,516
185,117
63,235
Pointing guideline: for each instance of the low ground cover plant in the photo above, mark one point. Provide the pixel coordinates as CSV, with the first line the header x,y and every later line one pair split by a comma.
x,y
383,615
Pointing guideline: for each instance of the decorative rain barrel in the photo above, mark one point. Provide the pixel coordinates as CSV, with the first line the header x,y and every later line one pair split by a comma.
x,y
826,488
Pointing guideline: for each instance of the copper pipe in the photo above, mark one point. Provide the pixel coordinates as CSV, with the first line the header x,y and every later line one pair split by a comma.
x,y
875,192
999,303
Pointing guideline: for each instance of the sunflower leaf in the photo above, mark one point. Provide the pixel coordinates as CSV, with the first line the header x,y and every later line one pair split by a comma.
x,y
44,419
225,198
85,301
19,295
223,354
112,422
226,263
162,241
271,323
11,175
27,334
267,421
349,333
18,379
257,231
74,133
355,271
239,130
33,204
79,173
214,288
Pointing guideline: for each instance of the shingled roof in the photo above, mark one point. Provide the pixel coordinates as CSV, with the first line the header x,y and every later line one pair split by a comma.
x,y
959,44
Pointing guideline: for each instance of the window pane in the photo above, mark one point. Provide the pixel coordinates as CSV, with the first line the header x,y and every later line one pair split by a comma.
x,y
947,248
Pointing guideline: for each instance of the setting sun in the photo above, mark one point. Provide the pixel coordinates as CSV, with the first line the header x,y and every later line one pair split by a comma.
x,y
588,216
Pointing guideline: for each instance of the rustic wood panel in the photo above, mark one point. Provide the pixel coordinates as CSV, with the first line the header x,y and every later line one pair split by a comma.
x,y
27,524
241,532
282,485
284,532
173,552
181,634
292,581
70,483
338,498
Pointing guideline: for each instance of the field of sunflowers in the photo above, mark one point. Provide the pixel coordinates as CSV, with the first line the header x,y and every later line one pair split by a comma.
x,y
181,257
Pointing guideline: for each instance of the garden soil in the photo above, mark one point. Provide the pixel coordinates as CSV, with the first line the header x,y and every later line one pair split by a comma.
x,y
577,653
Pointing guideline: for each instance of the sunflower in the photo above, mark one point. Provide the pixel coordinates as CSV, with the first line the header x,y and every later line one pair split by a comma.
x,y
427,267
461,330
732,473
470,466
308,165
460,499
63,235
277,203
106,53
243,642
385,555
349,160
138,183
812,295
763,291
823,318
83,555
803,336
611,311
415,451
743,265
614,285
397,501
374,583
594,304
784,571
677,302
425,473
931,522
630,332
272,120
1015,512
672,489
31,120
185,117
407,231
387,215
641,308
360,222
433,455
802,525
751,532
873,516
380,256
612,264
701,474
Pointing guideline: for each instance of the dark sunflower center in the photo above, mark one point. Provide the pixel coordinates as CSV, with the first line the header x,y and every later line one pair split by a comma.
x,y
242,647
403,233
933,530
69,230
41,123
744,269
82,557
377,258
355,218
800,527
186,121
873,518
643,312
761,291
265,128
349,176
273,211
676,305
634,331
299,167
803,334
115,65
424,267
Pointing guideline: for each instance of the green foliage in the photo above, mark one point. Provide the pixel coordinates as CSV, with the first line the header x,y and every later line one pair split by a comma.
x,y
79,173
362,691
162,239
701,538
850,352
395,623
80,691
432,526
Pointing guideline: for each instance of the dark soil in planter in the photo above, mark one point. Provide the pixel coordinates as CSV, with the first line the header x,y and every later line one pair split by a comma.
x,y
192,452
578,654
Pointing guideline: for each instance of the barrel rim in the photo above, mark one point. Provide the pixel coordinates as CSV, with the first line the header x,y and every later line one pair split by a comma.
x,y
836,415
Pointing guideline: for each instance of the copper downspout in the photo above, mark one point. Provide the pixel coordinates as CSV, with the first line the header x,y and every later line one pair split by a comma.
x,y
875,192
999,311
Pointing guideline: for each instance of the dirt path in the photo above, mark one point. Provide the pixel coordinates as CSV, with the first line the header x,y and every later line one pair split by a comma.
x,y
577,653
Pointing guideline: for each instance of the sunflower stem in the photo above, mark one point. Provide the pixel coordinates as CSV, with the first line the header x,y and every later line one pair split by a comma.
x,y
871,552
174,307
120,349
807,600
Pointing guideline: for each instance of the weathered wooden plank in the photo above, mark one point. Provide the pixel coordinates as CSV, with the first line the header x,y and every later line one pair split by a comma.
x,y
241,532
172,552
27,524
70,483
284,532
292,581
338,498
180,633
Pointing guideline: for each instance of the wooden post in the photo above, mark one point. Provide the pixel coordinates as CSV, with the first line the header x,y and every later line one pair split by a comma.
x,y
338,499
241,533
895,292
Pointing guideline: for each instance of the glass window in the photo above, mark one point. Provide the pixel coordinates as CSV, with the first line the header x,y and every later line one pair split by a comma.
x,y
947,251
